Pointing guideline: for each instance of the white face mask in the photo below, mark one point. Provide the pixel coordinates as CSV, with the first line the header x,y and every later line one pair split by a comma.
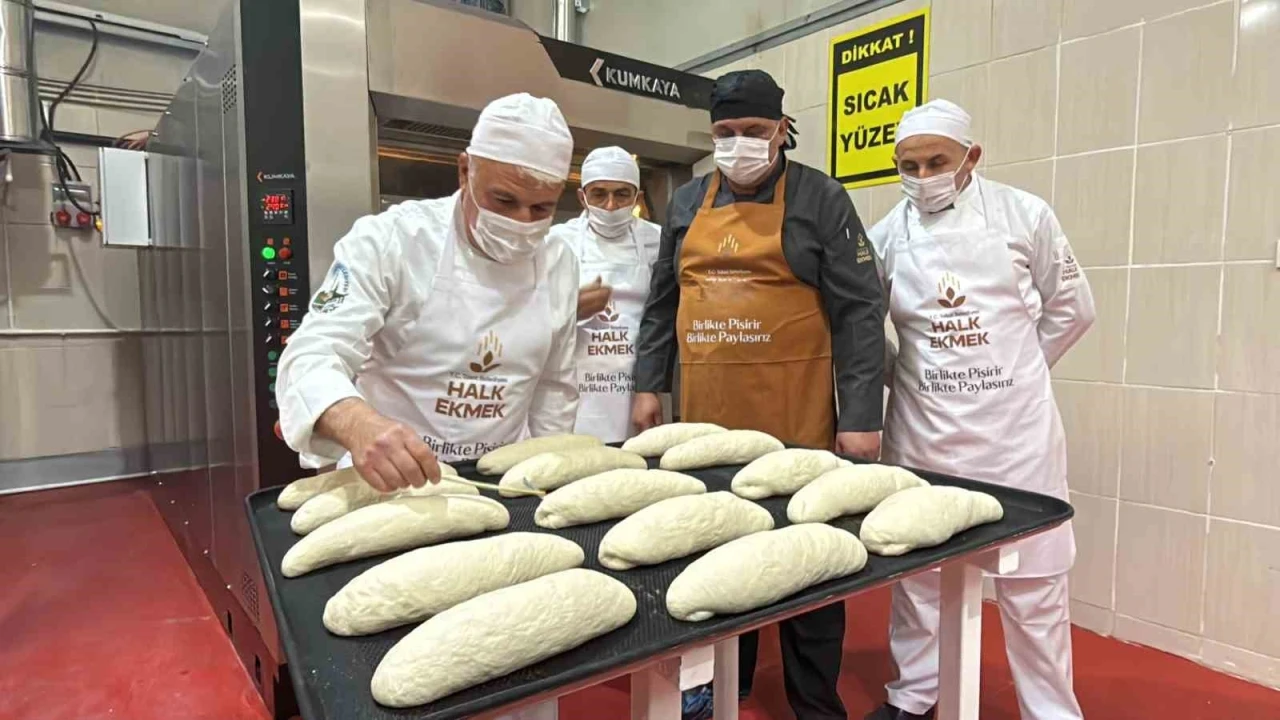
x,y
505,240
936,193
610,223
744,160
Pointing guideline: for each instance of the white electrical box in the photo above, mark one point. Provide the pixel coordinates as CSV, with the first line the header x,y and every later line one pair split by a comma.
x,y
122,187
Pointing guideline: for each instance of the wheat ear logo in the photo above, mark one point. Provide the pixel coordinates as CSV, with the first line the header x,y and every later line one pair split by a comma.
x,y
949,292
488,352
608,314
729,245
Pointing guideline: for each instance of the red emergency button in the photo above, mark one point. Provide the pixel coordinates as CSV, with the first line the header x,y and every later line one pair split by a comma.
x,y
82,219
62,218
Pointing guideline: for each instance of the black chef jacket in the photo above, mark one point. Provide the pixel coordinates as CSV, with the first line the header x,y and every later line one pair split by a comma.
x,y
820,235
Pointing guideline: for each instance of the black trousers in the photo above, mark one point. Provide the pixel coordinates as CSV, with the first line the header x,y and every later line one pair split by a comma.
x,y
812,648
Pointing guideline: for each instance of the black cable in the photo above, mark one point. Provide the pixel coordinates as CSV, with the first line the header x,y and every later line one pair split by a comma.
x,y
64,168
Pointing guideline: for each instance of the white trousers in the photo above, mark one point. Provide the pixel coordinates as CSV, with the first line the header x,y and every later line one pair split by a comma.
x,y
1035,613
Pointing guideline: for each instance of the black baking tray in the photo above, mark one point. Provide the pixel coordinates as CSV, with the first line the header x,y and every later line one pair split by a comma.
x,y
331,674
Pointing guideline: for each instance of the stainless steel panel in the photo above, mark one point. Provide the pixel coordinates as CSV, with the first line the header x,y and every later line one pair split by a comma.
x,y
441,64
341,140
17,114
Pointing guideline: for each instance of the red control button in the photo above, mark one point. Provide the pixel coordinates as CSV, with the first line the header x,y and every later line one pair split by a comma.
x,y
284,339
284,323
284,292
62,218
285,253
283,274
82,219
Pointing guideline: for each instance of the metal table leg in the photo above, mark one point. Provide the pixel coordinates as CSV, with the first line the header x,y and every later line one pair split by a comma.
x,y
655,691
725,685
960,633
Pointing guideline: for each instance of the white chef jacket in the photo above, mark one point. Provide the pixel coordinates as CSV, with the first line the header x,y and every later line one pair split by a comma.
x,y
644,236
391,261
1041,252
1010,257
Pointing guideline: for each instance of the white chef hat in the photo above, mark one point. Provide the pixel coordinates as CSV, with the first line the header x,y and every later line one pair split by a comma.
x,y
610,163
524,130
937,117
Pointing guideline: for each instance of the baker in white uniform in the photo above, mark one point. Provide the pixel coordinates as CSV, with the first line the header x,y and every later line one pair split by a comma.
x,y
445,328
615,251
986,296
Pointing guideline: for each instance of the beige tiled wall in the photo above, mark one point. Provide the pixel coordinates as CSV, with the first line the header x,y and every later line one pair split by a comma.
x,y
70,367
1153,127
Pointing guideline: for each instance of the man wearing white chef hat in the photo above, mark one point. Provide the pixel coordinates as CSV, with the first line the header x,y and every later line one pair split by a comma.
x,y
615,251
986,296
445,328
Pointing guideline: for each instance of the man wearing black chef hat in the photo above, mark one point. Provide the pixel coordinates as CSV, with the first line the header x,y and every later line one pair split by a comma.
x,y
765,288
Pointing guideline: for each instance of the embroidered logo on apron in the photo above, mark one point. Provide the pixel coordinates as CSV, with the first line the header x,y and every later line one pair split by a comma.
x,y
334,291
478,394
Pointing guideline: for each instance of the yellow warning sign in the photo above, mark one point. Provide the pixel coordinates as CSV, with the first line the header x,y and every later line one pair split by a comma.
x,y
877,74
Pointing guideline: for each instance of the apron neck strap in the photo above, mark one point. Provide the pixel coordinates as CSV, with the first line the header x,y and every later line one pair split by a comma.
x,y
713,189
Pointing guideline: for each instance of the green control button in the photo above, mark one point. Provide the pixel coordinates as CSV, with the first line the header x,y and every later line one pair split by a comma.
x,y
268,253
272,355
271,372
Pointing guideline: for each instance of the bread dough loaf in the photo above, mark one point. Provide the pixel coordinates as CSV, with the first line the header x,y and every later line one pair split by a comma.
x,y
551,470
782,472
849,491
657,440
497,462
924,517
761,569
333,504
680,526
399,524
612,494
500,632
731,447
420,583
293,495
301,490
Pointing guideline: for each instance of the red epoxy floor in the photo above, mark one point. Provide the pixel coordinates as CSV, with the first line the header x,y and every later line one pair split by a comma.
x,y
100,618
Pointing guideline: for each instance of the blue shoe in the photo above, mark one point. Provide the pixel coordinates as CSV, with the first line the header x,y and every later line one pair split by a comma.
x,y
696,703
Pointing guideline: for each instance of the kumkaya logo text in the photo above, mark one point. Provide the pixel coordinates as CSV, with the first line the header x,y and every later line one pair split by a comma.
x,y
477,395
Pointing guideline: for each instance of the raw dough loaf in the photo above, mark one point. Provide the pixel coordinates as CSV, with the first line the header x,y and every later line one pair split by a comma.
x,y
782,472
657,440
680,526
500,632
399,524
293,495
552,470
301,490
849,491
612,494
427,581
761,569
924,517
731,447
497,462
333,504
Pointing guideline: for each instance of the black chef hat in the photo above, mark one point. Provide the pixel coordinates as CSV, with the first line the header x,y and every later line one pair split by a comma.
x,y
749,93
